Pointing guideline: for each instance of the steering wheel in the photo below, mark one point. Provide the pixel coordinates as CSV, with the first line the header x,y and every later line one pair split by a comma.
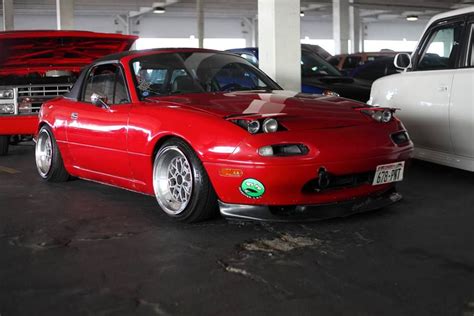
x,y
230,87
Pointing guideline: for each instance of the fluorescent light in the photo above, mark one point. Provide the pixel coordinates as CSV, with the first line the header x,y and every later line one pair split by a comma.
x,y
159,10
301,13
412,17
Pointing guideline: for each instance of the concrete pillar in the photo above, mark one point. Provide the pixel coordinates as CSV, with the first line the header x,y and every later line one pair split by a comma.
x,y
200,22
8,15
65,14
255,32
279,41
340,22
354,29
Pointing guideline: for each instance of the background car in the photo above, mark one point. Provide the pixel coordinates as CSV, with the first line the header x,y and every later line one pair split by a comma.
x,y
369,72
435,91
36,66
201,128
346,63
317,75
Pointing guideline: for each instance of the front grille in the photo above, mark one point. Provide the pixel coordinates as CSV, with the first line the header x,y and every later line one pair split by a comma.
x,y
30,98
339,182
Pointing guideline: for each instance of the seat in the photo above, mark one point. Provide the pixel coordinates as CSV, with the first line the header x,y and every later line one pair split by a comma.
x,y
183,84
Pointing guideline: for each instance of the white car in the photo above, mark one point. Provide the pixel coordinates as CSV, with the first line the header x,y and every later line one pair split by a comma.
x,y
435,92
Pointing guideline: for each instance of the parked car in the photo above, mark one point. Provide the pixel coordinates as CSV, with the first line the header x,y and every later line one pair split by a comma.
x,y
200,128
36,66
346,63
321,52
435,90
369,72
318,76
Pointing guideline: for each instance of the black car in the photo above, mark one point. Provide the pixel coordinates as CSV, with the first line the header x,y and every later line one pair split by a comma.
x,y
366,74
318,76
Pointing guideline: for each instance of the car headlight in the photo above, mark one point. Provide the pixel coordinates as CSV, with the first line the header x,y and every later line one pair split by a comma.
x,y
330,93
253,127
6,94
8,108
270,125
379,115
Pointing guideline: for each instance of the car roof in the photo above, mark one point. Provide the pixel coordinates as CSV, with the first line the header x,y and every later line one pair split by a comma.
x,y
451,13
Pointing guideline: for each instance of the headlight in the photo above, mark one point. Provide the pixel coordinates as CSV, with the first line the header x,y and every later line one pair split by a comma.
x,y
330,93
7,108
253,127
6,94
379,115
270,125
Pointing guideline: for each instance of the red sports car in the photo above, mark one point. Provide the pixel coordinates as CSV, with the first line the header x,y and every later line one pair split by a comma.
x,y
203,130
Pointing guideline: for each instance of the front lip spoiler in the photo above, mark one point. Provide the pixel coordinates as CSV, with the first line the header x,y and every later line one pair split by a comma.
x,y
298,213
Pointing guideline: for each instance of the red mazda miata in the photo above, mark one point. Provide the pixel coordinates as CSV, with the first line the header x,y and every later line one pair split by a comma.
x,y
203,130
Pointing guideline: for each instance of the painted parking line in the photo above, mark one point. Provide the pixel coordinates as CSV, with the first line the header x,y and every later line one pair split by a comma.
x,y
8,170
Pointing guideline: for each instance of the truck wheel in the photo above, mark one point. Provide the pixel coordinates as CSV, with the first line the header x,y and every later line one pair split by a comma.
x,y
49,162
4,142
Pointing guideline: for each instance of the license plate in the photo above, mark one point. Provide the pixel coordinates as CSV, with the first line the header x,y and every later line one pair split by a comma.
x,y
392,172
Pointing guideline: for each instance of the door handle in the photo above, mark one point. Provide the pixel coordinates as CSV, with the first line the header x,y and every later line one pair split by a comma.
x,y
443,88
74,116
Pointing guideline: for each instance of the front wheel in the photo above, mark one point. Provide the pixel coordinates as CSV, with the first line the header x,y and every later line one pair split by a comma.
x,y
4,143
49,162
182,187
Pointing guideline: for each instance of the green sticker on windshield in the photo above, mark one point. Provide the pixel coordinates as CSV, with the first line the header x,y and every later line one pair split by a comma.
x,y
252,188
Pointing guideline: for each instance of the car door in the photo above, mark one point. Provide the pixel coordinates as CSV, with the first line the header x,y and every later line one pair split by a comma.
x,y
462,99
97,136
423,94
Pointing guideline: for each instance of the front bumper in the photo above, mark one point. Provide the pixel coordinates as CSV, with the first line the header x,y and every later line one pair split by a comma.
x,y
314,212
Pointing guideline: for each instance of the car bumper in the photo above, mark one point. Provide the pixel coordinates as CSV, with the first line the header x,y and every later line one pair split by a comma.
x,y
315,212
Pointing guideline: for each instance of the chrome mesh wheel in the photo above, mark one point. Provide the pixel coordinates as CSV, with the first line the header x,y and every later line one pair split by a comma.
x,y
172,180
44,153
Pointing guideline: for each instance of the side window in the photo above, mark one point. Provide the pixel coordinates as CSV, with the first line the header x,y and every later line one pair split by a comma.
x,y
334,61
441,48
106,80
351,62
470,54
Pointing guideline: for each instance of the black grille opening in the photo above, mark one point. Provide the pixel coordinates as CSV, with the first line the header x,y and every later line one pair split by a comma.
x,y
338,182
400,138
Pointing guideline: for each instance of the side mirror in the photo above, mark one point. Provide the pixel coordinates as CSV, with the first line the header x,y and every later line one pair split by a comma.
x,y
402,61
99,100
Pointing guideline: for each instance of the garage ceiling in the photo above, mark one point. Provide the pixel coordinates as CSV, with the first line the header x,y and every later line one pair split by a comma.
x,y
371,10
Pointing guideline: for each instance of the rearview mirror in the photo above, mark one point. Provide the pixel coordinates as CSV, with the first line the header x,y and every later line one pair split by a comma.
x,y
99,100
402,61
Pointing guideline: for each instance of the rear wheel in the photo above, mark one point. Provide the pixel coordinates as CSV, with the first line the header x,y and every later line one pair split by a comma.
x,y
182,187
49,162
4,143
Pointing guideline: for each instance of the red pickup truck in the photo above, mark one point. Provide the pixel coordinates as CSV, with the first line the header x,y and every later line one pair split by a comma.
x,y
36,66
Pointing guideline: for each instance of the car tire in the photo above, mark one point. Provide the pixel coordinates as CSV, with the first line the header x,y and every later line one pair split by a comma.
x,y
181,185
4,143
49,162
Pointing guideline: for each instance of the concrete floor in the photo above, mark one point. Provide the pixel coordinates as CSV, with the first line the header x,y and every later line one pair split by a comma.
x,y
82,248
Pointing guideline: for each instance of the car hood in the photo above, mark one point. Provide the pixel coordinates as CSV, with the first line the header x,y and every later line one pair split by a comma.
x,y
346,87
296,111
43,50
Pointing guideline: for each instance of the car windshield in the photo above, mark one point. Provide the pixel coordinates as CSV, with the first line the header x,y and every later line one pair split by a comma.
x,y
196,72
313,65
